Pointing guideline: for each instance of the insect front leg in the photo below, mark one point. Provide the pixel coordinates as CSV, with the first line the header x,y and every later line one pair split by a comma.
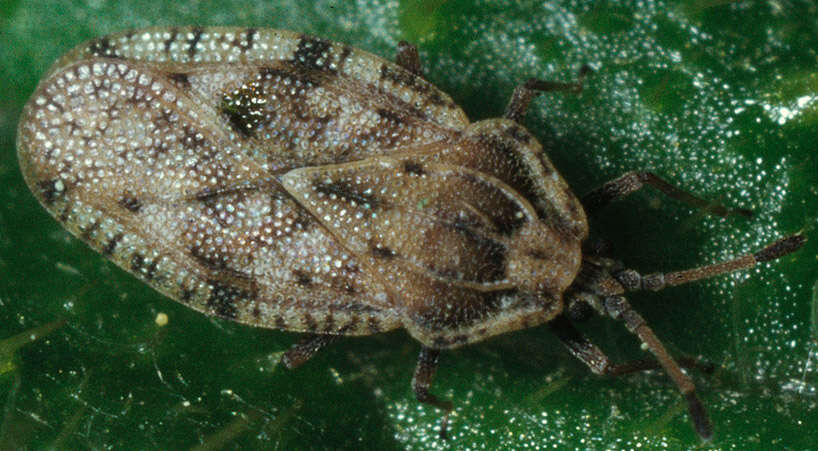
x,y
588,353
631,182
307,347
422,380
618,308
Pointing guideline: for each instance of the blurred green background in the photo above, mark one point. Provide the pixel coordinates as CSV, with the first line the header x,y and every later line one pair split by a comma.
x,y
718,97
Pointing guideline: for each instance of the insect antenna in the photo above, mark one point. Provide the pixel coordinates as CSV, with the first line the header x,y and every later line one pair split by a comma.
x,y
632,280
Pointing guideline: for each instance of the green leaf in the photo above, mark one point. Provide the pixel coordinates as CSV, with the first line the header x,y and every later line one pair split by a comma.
x,y
719,98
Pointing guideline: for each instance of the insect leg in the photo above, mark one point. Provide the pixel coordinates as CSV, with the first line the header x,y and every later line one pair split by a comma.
x,y
632,181
617,307
583,349
305,349
422,379
408,58
579,346
526,92
631,280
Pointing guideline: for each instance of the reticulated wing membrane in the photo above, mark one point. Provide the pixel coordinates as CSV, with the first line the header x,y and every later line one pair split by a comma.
x,y
158,149
287,99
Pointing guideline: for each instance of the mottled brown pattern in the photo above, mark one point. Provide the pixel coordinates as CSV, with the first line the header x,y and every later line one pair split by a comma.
x,y
102,47
111,244
242,110
244,41
174,33
309,187
89,231
380,251
312,53
193,41
48,191
181,79
346,193
223,298
130,203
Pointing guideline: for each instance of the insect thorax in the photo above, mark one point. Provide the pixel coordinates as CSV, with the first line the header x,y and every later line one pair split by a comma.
x,y
512,232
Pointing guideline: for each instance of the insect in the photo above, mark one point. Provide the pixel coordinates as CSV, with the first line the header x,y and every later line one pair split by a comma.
x,y
285,181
